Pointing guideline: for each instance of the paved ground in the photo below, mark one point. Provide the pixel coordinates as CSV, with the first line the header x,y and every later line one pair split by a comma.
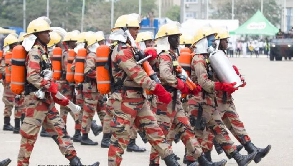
x,y
265,105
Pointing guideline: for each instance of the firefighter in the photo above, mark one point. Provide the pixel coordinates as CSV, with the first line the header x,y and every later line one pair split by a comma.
x,y
202,106
10,41
80,44
40,97
227,109
92,98
19,99
68,86
172,113
126,101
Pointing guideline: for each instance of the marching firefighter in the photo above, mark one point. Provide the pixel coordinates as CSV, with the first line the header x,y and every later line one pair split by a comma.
x,y
126,100
67,81
40,97
8,98
92,98
227,109
172,113
78,64
19,100
202,106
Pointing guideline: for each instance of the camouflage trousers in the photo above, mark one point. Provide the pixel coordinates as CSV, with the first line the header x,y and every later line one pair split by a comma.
x,y
8,100
233,123
213,124
107,121
129,111
175,121
42,112
68,90
92,103
20,107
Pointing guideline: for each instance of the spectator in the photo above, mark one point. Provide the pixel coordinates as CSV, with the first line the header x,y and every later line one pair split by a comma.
x,y
239,47
244,48
261,47
230,50
256,48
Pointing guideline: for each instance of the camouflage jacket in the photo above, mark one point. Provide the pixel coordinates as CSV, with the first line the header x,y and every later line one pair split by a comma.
x,y
200,75
166,70
124,66
35,57
89,84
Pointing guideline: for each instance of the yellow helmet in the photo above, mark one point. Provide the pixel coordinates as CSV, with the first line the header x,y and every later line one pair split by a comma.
x,y
127,20
21,36
72,36
186,39
167,30
222,33
92,37
143,36
82,37
38,25
203,32
54,39
10,39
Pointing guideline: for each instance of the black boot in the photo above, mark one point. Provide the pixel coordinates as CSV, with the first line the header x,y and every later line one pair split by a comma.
x,y
239,148
76,162
217,146
132,147
105,142
7,126
77,136
16,125
44,133
261,152
184,157
208,155
96,129
192,163
204,162
86,141
242,160
171,161
5,162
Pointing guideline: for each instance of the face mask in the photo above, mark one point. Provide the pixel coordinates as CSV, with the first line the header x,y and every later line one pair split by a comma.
x,y
93,47
6,48
79,46
29,42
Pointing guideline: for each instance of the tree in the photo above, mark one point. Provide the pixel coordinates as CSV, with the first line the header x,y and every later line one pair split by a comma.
x,y
174,13
245,9
67,13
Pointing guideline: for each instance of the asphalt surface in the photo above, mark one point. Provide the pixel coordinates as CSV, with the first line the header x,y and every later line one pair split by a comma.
x,y
265,106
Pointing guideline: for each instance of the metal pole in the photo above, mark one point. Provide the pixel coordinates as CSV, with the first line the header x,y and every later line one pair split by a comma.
x,y
47,8
24,15
207,8
112,14
284,17
183,11
261,6
160,8
139,7
83,10
232,9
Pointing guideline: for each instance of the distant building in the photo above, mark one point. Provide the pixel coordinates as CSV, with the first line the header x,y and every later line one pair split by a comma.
x,y
198,9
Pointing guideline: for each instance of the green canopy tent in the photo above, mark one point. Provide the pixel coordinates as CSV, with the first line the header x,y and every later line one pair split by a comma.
x,y
256,25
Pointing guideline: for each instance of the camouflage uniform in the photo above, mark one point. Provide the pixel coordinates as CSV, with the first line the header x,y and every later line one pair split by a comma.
x,y
67,90
172,116
130,107
40,112
93,101
206,100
